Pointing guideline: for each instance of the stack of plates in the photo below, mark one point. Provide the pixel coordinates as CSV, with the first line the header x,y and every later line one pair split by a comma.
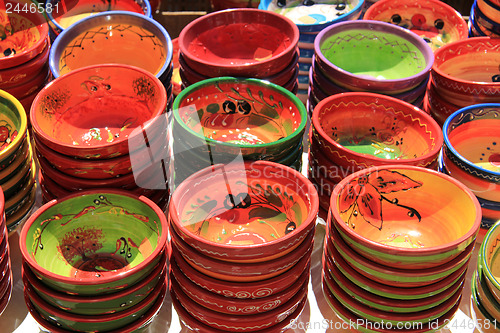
x,y
242,238
24,53
6,282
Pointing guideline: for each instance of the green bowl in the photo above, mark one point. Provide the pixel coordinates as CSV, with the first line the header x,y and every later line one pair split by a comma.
x,y
482,318
489,260
94,242
13,127
484,294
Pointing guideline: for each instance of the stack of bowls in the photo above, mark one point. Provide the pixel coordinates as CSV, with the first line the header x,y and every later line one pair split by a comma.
x,y
354,131
435,21
311,19
243,42
101,126
6,282
63,13
95,261
471,154
115,37
242,238
458,79
393,261
229,119
394,61
24,50
484,19
17,165
485,289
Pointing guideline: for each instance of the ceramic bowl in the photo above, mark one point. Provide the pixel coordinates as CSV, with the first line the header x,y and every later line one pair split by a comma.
x,y
93,257
484,295
13,127
237,225
22,155
241,42
374,69
113,37
14,184
358,130
470,152
96,305
481,317
16,75
483,21
488,260
457,74
229,117
383,214
439,108
83,113
314,18
436,22
64,13
243,290
30,33
241,272
489,8
28,87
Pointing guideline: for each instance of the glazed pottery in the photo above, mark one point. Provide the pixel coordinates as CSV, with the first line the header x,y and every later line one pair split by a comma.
x,y
242,42
479,314
435,21
439,108
29,86
393,59
484,295
91,112
489,261
13,127
73,226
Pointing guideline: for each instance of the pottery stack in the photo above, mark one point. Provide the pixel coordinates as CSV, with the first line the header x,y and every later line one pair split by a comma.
x,y
24,51
242,238
311,18
357,130
244,42
102,126
484,19
95,261
339,67
6,282
230,120
17,165
485,286
386,245
459,80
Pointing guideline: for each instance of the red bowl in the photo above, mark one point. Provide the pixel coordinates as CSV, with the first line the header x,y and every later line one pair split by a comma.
x,y
439,108
28,87
235,306
241,42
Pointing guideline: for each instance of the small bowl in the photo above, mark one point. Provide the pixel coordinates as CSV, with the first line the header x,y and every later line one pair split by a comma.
x,y
357,130
435,21
230,226
373,69
398,228
470,153
479,314
488,260
31,33
206,113
113,37
249,42
484,295
13,126
74,269
82,114
66,12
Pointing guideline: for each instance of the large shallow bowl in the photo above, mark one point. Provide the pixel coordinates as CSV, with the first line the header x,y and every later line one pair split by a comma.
x,y
373,56
91,112
113,37
242,42
384,214
94,241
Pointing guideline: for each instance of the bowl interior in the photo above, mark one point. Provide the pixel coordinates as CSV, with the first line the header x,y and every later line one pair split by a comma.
x,y
93,235
373,53
391,207
243,112
115,37
378,126
97,106
240,206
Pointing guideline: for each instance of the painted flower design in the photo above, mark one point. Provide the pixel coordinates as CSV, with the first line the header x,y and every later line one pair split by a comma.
x,y
364,196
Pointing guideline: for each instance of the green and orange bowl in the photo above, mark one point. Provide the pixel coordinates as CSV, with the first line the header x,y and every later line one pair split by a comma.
x,y
489,261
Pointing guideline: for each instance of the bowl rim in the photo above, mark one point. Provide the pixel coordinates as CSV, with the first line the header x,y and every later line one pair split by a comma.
x,y
309,220
251,81
406,252
69,34
449,146
369,25
160,248
405,106
245,11
44,137
482,256
23,128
